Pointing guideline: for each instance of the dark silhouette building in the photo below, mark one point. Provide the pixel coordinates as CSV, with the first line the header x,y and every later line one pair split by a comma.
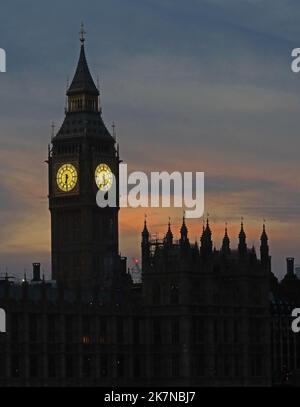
x,y
201,316
285,344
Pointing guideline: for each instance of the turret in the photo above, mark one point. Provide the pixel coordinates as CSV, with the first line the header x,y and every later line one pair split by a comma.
x,y
226,243
145,245
206,242
242,247
169,236
184,241
264,248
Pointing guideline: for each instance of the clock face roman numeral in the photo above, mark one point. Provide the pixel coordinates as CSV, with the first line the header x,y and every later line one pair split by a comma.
x,y
66,177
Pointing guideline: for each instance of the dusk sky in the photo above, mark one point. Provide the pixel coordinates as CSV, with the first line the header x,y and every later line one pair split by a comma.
x,y
200,85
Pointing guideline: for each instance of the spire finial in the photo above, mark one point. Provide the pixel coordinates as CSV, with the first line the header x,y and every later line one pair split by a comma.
x,y
183,218
114,130
52,130
82,33
145,232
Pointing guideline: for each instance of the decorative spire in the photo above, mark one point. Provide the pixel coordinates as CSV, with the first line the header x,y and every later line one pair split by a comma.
x,y
145,232
242,240
206,241
114,130
226,241
207,230
169,234
52,130
264,247
184,241
183,229
82,82
264,236
145,245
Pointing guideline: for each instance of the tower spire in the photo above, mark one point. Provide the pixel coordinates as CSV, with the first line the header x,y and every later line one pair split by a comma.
x,y
82,83
242,239
264,247
206,241
145,232
169,234
226,241
184,241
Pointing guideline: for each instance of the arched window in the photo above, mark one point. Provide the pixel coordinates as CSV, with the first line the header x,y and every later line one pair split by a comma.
x,y
156,294
174,294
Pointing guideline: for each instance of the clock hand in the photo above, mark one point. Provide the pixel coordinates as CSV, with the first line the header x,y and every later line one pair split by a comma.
x,y
66,181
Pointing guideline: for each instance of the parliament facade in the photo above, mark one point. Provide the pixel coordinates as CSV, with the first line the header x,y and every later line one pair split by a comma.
x,y
200,316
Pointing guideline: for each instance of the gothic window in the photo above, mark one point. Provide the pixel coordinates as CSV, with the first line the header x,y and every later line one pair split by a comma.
x,y
157,365
51,366
225,330
69,328
200,368
103,335
198,324
87,365
120,366
86,324
235,331
226,365
136,331
33,366
256,365
51,328
15,366
136,367
70,366
174,294
157,337
103,366
156,294
33,328
15,327
216,331
175,331
175,368
120,330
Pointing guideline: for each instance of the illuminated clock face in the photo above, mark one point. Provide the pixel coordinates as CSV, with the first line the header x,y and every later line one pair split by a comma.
x,y
66,177
103,177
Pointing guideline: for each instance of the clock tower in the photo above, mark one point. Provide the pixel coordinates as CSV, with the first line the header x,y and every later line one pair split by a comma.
x,y
82,159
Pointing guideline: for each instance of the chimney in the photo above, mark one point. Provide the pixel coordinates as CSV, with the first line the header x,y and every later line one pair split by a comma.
x,y
36,271
290,265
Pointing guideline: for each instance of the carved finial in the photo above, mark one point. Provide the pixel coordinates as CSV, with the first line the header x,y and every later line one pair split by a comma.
x,y
52,130
114,130
82,33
